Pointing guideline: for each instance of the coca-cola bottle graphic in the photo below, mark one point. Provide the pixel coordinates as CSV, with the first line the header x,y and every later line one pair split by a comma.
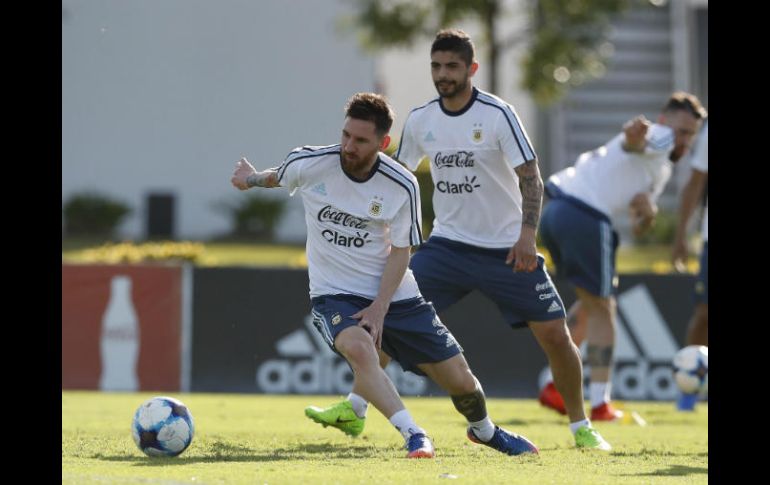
x,y
119,344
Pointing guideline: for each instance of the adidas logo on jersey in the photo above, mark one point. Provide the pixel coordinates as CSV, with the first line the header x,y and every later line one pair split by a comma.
x,y
554,306
319,189
429,137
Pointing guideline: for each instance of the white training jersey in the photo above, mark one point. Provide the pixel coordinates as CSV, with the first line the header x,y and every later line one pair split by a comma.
x,y
608,177
352,224
472,154
700,162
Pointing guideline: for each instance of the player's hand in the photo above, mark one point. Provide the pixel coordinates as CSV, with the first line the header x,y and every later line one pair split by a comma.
x,y
635,130
243,169
372,319
679,255
642,211
523,254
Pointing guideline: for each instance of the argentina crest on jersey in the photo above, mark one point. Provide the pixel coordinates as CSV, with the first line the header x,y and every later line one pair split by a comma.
x,y
375,207
477,136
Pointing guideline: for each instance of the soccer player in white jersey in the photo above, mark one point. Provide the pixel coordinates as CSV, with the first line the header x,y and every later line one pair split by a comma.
x,y
692,194
487,198
628,173
362,211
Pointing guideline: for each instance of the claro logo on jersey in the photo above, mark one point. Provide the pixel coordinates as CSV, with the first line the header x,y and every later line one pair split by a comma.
x,y
465,187
306,365
644,348
460,159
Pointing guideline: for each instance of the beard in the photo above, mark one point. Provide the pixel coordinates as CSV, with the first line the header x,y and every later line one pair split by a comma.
x,y
677,153
354,163
450,89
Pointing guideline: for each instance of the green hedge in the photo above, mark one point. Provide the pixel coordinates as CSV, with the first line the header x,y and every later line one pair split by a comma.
x,y
92,213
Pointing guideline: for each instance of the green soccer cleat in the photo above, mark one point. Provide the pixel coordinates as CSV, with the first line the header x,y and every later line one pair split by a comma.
x,y
340,416
588,438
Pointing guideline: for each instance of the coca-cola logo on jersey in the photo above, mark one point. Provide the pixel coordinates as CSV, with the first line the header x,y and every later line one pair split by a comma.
x,y
459,159
336,216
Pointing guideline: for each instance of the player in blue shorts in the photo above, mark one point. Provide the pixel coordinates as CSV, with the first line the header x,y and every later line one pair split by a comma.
x,y
362,211
487,199
692,194
628,173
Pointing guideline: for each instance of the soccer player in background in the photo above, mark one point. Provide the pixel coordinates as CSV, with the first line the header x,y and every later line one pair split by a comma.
x,y
487,200
362,211
692,194
628,173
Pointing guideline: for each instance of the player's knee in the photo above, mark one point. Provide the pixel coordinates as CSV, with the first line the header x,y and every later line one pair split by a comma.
x,y
557,337
552,335
356,349
598,304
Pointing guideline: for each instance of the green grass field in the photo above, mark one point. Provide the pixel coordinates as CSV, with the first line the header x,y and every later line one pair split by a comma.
x,y
260,439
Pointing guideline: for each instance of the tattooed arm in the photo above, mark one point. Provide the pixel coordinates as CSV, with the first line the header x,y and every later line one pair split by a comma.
x,y
246,176
524,252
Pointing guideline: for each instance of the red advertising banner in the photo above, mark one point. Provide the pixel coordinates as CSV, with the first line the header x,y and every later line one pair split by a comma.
x,y
121,327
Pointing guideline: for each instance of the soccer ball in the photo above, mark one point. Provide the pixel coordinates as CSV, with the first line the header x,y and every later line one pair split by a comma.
x,y
162,426
691,369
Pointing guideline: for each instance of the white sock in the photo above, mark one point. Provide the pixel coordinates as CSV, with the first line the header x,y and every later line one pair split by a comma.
x,y
483,429
600,393
548,376
579,424
404,423
359,404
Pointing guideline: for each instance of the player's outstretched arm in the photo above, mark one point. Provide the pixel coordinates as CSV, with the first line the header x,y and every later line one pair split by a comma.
x,y
635,131
372,318
246,176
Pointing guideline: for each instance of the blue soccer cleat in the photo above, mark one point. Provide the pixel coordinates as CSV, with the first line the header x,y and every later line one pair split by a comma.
x,y
506,442
419,446
686,402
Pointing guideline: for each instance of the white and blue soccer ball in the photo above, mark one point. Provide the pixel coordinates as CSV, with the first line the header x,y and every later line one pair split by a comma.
x,y
162,426
691,369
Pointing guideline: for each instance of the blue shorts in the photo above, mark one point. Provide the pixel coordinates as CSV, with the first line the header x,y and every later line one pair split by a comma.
x,y
702,283
448,270
413,334
582,243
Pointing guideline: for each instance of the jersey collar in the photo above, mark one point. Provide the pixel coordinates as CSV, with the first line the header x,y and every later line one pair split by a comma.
x,y
368,177
464,108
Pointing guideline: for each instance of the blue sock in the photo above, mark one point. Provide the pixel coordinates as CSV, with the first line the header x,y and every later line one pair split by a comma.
x,y
686,402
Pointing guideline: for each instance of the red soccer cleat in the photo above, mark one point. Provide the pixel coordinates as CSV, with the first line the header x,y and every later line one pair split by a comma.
x,y
605,412
550,398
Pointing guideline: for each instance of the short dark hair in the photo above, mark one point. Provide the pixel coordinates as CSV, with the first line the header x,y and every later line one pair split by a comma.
x,y
457,41
682,101
371,107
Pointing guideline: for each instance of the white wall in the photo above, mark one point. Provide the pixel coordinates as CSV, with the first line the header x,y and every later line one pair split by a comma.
x,y
165,95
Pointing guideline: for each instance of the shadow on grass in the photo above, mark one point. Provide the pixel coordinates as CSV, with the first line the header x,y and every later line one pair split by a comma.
x,y
671,471
235,453
647,452
557,419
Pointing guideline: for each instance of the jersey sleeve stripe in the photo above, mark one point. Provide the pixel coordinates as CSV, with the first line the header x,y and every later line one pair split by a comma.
x,y
514,123
401,140
305,152
415,234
